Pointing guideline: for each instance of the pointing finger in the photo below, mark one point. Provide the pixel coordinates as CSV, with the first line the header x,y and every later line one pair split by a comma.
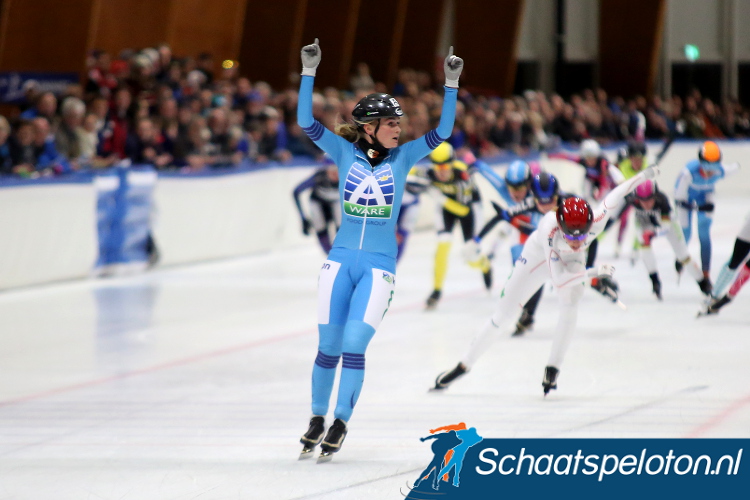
x,y
316,42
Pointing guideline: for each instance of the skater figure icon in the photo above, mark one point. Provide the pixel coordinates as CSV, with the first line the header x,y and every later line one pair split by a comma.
x,y
443,444
450,450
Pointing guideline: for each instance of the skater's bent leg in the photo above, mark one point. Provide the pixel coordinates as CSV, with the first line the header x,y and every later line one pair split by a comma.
x,y
566,323
705,218
533,302
523,282
369,303
324,370
357,335
684,216
334,292
741,249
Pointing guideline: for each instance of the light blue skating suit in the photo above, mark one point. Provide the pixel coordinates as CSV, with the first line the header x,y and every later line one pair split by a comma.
x,y
694,190
357,281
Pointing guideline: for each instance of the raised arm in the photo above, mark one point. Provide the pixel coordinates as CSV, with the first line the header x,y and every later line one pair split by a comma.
x,y
419,148
324,138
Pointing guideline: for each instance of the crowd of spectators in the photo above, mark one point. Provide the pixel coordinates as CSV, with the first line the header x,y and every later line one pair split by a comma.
x,y
179,113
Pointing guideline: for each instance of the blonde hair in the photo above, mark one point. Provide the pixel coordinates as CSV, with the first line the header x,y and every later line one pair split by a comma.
x,y
348,131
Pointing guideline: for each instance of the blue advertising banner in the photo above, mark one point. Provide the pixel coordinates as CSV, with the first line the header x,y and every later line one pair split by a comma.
x,y
467,466
12,83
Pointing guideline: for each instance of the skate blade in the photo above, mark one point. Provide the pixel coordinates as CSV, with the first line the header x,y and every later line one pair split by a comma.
x,y
437,389
621,305
306,453
324,457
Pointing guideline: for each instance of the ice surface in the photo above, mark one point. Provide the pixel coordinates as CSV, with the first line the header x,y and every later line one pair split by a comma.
x,y
194,382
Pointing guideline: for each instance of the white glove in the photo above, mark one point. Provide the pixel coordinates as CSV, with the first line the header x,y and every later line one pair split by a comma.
x,y
452,67
651,172
310,58
471,251
605,270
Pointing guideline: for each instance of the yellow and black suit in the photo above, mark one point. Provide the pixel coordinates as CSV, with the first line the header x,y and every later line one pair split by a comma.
x,y
458,201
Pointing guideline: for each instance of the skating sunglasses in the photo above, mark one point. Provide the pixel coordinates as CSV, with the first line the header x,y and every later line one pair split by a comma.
x,y
573,237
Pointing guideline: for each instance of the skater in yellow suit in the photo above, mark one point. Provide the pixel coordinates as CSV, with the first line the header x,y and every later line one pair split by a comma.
x,y
458,201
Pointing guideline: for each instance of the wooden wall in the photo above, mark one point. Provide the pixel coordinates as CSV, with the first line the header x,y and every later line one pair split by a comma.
x,y
45,35
630,32
486,34
54,35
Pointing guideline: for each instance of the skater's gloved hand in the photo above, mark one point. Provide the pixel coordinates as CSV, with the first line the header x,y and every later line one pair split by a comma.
x,y
678,266
651,172
472,252
310,58
306,226
452,67
501,212
455,207
605,270
607,286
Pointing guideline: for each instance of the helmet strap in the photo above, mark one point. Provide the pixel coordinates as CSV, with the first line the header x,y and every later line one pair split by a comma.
x,y
374,151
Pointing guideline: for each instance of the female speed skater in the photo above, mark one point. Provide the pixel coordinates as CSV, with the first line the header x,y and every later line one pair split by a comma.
x,y
694,190
556,251
357,281
653,217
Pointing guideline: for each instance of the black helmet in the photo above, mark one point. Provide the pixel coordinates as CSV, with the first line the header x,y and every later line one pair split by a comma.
x,y
375,106
636,148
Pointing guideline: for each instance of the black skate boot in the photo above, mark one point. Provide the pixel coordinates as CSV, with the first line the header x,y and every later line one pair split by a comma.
x,y
333,440
488,279
706,286
432,300
550,379
312,437
714,305
607,286
525,322
444,379
656,284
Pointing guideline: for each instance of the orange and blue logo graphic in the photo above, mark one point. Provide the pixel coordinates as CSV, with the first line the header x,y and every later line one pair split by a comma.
x,y
443,473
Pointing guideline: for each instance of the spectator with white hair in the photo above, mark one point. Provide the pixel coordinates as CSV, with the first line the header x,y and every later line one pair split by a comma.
x,y
67,139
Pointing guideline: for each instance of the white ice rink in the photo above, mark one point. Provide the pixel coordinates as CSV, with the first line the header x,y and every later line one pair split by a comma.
x,y
194,382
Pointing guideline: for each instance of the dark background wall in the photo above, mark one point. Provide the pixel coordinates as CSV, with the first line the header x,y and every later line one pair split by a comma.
x,y
265,37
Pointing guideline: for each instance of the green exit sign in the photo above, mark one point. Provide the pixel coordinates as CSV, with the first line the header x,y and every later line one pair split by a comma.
x,y
691,52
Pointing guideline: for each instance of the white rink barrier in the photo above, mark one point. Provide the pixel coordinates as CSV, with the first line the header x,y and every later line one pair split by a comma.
x,y
49,231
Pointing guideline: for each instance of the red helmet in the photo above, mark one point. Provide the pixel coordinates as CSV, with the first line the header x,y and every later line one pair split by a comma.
x,y
575,216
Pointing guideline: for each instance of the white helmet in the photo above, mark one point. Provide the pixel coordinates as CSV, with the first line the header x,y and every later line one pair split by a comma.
x,y
590,149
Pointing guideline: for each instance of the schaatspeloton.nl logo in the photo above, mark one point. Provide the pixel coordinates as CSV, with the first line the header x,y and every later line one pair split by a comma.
x,y
465,465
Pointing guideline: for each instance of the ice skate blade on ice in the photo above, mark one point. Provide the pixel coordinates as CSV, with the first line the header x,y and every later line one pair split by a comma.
x,y
325,456
306,453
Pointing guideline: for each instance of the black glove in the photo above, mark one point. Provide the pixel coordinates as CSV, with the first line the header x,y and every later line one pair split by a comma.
x,y
504,215
607,286
678,266
306,226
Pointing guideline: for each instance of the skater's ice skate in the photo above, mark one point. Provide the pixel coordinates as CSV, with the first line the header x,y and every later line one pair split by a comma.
x,y
333,440
446,378
433,300
524,324
656,285
550,379
312,437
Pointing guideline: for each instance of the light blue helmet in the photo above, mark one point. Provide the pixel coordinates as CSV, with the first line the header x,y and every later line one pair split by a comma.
x,y
518,174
